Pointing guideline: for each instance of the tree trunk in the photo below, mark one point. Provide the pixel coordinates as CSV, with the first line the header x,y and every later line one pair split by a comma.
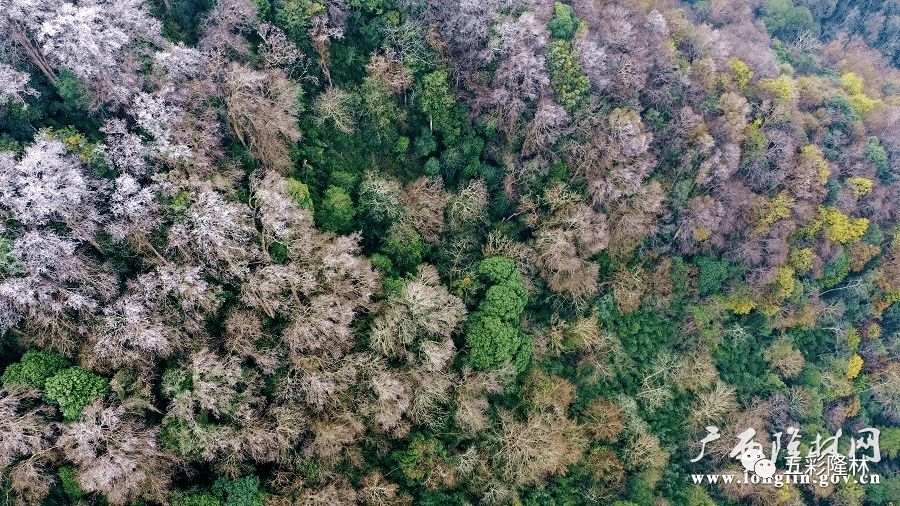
x,y
36,56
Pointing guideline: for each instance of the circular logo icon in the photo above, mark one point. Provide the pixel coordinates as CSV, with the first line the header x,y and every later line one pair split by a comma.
x,y
750,456
764,468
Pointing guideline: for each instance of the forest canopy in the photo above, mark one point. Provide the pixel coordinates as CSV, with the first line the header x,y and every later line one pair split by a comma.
x,y
377,252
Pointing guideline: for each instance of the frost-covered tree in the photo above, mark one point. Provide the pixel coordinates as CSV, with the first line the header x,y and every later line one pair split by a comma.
x,y
217,413
134,211
89,38
47,183
118,455
215,232
125,150
334,107
262,111
284,220
22,20
56,287
154,114
149,320
423,309
14,86
393,398
132,334
225,27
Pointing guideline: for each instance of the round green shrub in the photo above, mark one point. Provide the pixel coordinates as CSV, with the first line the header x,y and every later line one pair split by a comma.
x,y
34,369
240,491
205,499
492,332
505,301
492,342
73,389
337,211
69,485
495,270
564,22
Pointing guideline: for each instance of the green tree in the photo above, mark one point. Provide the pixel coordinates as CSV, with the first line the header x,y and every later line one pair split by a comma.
x,y
492,332
293,16
420,457
876,154
73,389
344,180
569,83
404,246
300,193
239,492
182,19
835,271
564,22
73,91
204,499
713,273
376,6
890,441
69,484
785,20
885,493
435,100
425,144
432,167
380,115
337,211
35,368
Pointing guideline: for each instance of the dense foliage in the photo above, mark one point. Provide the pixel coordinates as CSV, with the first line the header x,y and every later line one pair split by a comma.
x,y
443,253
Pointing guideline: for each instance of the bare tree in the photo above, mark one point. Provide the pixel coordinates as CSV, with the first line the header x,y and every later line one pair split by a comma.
x,y
216,233
224,29
426,200
14,86
24,432
92,39
117,455
262,111
522,75
48,183
543,445
335,107
278,51
549,124
713,406
423,309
